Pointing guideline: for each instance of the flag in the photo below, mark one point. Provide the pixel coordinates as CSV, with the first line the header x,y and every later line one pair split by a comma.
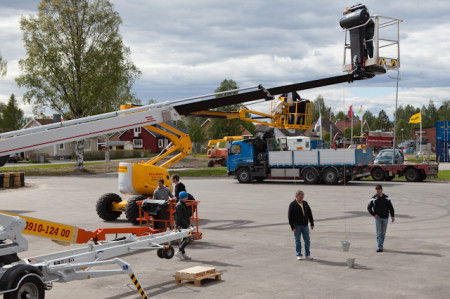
x,y
329,113
350,112
318,124
416,118
360,109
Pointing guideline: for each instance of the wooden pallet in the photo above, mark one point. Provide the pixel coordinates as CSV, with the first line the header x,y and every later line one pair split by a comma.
x,y
195,275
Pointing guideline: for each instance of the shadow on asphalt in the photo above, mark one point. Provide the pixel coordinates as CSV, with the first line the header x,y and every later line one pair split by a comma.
x,y
412,253
340,264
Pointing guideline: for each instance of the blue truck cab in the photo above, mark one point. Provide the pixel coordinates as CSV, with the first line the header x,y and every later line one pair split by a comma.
x,y
241,153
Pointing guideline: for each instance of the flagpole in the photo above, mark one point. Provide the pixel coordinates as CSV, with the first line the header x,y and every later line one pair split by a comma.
x,y
420,142
351,130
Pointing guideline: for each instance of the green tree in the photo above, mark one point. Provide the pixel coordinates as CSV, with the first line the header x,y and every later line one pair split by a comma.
x,y
382,122
340,116
12,115
370,119
444,111
319,107
227,127
76,61
429,115
3,66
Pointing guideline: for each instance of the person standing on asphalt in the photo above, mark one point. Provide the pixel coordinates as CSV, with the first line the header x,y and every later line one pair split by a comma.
x,y
299,213
182,221
162,192
179,186
380,206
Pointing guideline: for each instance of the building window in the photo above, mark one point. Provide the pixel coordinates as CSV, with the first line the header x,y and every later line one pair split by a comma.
x,y
160,143
137,143
61,146
137,131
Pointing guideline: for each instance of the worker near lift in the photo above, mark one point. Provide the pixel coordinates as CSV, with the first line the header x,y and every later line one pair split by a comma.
x,y
369,30
179,186
380,206
182,220
162,192
299,214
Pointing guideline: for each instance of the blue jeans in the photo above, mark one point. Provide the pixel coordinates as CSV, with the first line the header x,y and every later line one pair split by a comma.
x,y
301,230
381,226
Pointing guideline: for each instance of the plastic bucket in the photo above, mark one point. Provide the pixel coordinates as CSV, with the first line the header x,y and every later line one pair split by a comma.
x,y
351,262
345,245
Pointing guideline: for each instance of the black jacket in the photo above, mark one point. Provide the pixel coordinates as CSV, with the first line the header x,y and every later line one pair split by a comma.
x,y
381,205
182,215
178,188
296,216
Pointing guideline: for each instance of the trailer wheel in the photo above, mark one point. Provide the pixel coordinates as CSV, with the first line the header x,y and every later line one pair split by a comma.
x,y
244,176
412,175
423,176
30,287
211,163
377,174
132,208
104,206
389,178
168,252
310,176
160,253
27,280
330,176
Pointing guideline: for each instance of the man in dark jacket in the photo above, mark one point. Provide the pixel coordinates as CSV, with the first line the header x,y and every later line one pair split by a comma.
x,y
182,221
179,186
299,213
380,206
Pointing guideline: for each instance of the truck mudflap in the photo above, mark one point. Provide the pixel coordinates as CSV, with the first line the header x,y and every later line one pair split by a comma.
x,y
433,170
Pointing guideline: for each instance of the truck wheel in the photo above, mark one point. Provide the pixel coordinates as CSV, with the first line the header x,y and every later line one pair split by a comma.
x,y
377,174
104,206
423,176
330,176
244,176
211,163
412,175
132,208
310,176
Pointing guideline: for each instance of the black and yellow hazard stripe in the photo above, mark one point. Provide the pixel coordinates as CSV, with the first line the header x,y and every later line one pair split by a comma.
x,y
138,286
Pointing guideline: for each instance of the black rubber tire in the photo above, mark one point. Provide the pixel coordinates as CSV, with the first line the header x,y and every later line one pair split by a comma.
x,y
310,176
412,175
330,176
30,287
389,178
168,252
3,160
423,176
211,163
160,253
260,179
132,208
104,206
377,174
244,176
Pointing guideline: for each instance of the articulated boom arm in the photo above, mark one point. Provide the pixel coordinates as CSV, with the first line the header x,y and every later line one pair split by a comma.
x,y
284,115
179,141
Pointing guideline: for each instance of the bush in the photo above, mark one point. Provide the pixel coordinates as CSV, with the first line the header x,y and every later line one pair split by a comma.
x,y
115,154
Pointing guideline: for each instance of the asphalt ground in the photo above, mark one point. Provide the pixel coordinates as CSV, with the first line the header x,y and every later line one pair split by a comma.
x,y
246,237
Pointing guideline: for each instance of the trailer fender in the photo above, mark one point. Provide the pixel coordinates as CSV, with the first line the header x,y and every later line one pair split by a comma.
x,y
12,278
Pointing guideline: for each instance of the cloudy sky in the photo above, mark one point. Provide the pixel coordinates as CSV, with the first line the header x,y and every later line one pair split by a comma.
x,y
186,48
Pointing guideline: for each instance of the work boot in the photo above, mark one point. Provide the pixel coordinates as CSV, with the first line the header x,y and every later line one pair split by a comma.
x,y
179,255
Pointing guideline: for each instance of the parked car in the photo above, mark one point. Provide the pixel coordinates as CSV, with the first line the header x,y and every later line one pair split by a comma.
x,y
13,158
385,157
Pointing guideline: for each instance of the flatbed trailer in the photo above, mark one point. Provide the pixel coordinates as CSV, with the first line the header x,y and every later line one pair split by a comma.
x,y
413,172
31,277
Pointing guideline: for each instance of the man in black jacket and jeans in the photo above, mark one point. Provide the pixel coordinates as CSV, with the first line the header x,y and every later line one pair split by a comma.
x,y
299,213
379,207
182,220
